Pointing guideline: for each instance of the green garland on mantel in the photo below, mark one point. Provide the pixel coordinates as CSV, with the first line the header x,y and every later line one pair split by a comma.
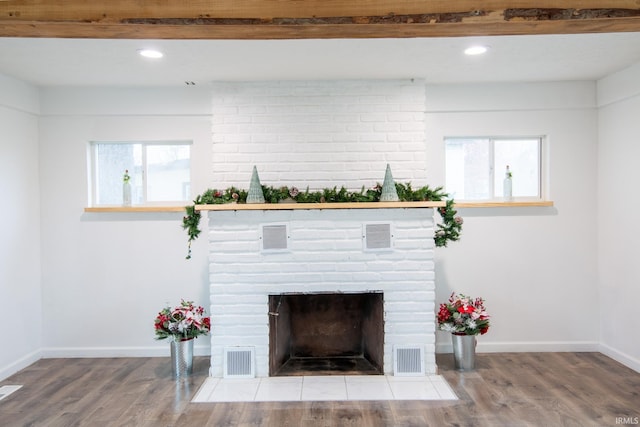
x,y
448,230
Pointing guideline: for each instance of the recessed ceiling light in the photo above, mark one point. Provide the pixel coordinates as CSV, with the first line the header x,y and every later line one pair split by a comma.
x,y
150,53
476,50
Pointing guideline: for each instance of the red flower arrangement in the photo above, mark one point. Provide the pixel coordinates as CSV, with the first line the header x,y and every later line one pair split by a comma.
x,y
463,315
184,322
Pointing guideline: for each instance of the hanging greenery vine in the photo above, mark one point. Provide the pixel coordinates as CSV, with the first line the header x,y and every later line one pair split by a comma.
x,y
446,231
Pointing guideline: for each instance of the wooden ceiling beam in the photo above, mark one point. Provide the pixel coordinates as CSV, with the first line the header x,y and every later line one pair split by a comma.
x,y
297,19
116,10
328,31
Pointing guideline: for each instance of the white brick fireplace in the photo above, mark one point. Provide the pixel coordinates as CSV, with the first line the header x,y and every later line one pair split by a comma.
x,y
324,253
319,135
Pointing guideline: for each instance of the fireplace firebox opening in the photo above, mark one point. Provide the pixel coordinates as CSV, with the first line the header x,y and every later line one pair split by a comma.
x,y
326,334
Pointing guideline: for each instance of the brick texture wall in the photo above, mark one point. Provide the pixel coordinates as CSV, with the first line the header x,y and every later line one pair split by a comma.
x,y
318,134
325,255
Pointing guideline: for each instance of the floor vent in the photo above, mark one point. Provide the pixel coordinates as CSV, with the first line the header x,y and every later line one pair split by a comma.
x,y
239,362
408,360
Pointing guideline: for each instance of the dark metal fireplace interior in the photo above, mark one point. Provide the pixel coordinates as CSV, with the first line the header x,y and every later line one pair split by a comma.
x,y
326,334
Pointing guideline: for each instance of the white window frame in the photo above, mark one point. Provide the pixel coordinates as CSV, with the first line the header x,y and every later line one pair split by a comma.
x,y
542,165
93,168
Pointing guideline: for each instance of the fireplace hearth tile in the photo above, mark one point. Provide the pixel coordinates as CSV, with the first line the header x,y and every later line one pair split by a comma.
x,y
204,394
368,388
235,390
405,388
443,387
284,389
321,388
324,388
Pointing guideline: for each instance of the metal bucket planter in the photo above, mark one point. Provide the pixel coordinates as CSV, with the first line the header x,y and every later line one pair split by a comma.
x,y
182,358
464,352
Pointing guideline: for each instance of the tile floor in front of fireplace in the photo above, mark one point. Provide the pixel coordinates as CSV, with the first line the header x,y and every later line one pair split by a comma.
x,y
324,388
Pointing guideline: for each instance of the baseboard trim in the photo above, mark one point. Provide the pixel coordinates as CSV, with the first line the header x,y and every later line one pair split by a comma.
x,y
621,357
515,347
20,364
526,347
95,352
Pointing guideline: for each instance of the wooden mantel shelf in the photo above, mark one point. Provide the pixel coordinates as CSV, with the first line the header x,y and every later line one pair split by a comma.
x,y
291,206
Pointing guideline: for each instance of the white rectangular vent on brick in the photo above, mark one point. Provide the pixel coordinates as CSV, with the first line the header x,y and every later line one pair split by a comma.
x,y
275,237
239,362
408,361
377,237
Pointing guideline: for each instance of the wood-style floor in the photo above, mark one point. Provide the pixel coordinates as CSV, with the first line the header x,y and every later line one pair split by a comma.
x,y
506,389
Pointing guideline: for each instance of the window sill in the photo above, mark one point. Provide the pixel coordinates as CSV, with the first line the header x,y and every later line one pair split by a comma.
x,y
503,204
135,209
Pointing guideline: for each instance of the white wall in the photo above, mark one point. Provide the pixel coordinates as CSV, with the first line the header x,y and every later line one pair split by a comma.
x,y
108,260
106,275
20,297
618,229
536,267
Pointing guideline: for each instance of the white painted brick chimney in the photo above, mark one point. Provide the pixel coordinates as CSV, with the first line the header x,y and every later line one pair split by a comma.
x,y
317,135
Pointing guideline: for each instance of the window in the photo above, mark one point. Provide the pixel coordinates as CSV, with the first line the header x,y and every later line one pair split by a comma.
x,y
160,172
476,167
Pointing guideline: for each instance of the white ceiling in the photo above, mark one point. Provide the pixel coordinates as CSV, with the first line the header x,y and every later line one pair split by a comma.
x,y
83,62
